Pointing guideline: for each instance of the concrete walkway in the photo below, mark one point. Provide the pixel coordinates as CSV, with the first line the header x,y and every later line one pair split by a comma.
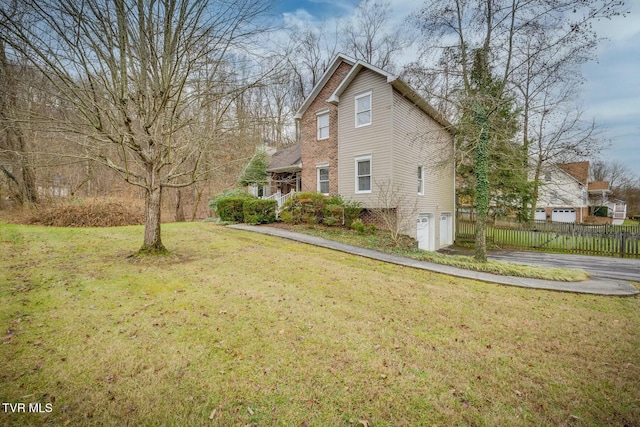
x,y
595,285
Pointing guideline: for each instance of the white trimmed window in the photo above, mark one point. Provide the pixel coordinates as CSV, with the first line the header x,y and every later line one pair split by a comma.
x,y
363,174
363,109
420,180
323,125
323,178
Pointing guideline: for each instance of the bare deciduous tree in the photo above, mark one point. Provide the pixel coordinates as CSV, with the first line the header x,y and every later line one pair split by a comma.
x,y
17,166
394,210
616,173
367,36
137,76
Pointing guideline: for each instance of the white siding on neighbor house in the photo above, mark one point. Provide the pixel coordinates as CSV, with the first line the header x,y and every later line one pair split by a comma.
x,y
561,190
373,139
418,140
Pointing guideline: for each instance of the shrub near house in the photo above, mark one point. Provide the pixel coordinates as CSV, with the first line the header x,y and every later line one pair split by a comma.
x,y
315,208
242,207
259,211
231,208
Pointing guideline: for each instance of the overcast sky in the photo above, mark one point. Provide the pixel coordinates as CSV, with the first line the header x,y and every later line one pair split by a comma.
x,y
611,94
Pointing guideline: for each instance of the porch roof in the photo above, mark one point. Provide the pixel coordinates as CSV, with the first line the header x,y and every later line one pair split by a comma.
x,y
599,186
286,159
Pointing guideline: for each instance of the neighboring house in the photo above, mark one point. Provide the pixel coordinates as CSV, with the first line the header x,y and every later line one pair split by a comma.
x,y
600,199
566,195
366,135
563,195
58,186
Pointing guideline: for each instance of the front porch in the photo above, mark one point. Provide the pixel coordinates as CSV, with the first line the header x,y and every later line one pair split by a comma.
x,y
280,198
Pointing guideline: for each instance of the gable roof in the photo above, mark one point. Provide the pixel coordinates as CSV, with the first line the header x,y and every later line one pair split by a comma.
x,y
286,159
399,85
335,63
577,170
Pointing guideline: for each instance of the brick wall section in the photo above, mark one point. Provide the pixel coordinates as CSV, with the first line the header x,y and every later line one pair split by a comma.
x,y
326,150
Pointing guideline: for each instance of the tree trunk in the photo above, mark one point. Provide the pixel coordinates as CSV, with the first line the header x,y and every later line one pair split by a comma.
x,y
179,209
482,185
535,191
152,207
195,208
29,190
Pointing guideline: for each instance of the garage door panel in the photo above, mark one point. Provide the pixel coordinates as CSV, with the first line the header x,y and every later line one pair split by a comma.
x,y
563,215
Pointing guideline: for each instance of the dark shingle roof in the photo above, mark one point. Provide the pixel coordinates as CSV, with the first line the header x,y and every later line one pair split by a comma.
x,y
287,158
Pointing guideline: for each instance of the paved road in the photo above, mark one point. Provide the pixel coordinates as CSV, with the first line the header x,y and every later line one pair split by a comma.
x,y
614,268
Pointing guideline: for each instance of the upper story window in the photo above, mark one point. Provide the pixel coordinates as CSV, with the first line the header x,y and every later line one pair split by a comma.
x,y
420,180
363,109
323,125
363,174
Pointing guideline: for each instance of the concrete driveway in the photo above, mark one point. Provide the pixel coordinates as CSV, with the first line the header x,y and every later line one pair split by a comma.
x,y
613,268
594,285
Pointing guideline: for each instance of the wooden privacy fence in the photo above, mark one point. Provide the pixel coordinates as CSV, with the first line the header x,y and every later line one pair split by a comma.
x,y
611,240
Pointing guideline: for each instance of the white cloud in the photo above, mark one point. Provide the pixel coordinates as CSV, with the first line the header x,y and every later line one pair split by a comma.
x,y
298,18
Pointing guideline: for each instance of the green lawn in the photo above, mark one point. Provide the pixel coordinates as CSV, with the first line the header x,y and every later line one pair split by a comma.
x,y
240,329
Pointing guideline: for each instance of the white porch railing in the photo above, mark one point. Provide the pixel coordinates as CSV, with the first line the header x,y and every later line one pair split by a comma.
x,y
280,198
617,211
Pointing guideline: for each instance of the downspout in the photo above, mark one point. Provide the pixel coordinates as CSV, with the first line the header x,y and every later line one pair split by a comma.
x,y
454,214
582,205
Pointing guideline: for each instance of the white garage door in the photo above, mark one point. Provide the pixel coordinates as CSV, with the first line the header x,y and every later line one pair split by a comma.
x,y
446,229
563,215
425,232
540,215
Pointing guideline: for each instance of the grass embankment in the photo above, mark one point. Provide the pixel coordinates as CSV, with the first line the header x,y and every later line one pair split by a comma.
x,y
242,329
380,241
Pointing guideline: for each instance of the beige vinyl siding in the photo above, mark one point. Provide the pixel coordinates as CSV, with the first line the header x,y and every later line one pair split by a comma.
x,y
401,137
419,140
374,139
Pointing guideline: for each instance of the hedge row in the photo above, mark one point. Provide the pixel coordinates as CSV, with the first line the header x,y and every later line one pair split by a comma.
x,y
245,208
302,208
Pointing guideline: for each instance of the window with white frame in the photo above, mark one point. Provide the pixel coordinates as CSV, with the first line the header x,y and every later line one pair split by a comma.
x,y
363,174
323,125
323,178
363,109
420,180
